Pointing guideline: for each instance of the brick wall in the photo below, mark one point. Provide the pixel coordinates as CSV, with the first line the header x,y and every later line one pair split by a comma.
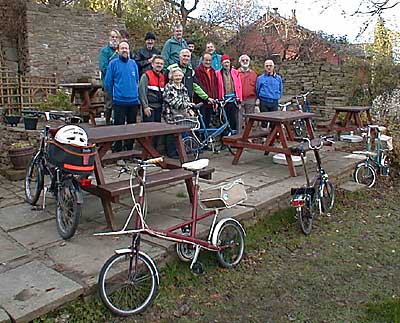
x,y
66,41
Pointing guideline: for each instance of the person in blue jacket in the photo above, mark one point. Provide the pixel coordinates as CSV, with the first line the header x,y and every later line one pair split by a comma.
x,y
269,89
121,82
107,53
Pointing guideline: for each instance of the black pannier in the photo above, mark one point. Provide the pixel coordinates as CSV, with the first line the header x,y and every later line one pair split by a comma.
x,y
70,158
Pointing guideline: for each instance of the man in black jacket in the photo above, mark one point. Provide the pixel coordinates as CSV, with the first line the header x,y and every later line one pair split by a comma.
x,y
145,55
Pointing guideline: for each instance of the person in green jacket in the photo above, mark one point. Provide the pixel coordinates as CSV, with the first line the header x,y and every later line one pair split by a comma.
x,y
173,47
107,53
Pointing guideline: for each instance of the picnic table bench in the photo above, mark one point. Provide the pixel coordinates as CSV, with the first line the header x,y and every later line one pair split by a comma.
x,y
352,119
281,130
109,192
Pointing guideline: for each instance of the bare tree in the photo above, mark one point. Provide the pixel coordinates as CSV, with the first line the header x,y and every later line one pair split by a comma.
x,y
180,6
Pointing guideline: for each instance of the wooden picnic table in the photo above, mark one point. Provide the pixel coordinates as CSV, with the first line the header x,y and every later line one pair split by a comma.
x,y
143,134
280,123
87,92
352,118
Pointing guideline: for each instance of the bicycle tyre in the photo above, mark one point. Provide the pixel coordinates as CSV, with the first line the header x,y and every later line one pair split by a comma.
x,y
119,289
305,216
192,147
328,196
230,233
68,211
365,174
185,251
34,174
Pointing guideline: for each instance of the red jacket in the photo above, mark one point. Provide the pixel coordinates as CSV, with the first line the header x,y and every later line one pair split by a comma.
x,y
209,82
249,79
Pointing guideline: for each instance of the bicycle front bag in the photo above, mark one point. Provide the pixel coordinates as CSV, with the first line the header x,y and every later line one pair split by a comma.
x,y
77,160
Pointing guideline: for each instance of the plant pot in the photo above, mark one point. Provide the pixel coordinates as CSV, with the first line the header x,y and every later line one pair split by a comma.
x,y
12,120
20,157
30,123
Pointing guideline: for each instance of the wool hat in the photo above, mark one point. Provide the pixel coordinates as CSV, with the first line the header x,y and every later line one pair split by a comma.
x,y
225,57
150,35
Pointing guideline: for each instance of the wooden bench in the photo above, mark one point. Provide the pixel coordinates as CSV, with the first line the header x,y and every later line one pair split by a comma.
x,y
253,134
111,158
112,191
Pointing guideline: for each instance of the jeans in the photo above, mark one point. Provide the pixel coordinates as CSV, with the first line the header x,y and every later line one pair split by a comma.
x,y
125,114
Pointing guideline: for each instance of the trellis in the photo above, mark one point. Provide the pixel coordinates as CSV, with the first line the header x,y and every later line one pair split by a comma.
x,y
21,91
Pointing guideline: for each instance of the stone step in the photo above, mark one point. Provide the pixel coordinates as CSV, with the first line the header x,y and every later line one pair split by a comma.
x,y
351,186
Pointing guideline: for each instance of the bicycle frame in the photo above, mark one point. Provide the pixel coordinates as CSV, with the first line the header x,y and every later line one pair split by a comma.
x,y
306,106
141,227
209,134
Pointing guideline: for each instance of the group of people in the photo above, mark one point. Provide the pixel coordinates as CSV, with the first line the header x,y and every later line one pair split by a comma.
x,y
174,79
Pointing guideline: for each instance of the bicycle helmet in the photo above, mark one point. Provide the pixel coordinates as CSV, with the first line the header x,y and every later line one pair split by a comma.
x,y
72,135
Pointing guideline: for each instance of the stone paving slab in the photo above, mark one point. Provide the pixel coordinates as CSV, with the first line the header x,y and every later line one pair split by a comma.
x,y
34,289
21,215
4,318
82,258
10,249
37,235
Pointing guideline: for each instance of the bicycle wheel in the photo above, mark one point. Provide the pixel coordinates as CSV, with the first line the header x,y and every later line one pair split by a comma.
x,y
327,196
305,215
299,127
185,251
192,147
68,211
34,180
221,146
231,239
128,284
365,174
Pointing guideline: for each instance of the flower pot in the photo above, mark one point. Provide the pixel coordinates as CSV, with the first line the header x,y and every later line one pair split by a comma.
x,y
12,120
30,123
20,157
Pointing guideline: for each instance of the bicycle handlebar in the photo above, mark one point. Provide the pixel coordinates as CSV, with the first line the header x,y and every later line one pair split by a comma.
x,y
304,96
314,144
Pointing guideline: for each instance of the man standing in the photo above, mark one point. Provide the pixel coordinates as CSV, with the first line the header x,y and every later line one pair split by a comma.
x,y
206,77
230,89
194,60
173,46
121,83
189,80
215,58
145,54
107,53
269,89
151,88
248,78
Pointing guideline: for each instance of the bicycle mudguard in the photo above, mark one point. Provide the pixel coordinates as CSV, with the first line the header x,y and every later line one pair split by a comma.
x,y
79,194
214,238
302,190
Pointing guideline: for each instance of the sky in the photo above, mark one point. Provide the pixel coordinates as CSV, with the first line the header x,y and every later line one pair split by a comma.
x,y
310,15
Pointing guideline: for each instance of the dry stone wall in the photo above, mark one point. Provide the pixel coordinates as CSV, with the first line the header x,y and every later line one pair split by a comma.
x,y
330,83
66,41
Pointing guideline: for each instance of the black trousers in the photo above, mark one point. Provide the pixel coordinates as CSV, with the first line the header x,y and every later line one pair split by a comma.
x,y
154,117
232,110
268,106
125,114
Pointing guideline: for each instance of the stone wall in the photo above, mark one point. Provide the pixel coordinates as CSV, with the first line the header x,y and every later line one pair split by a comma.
x,y
66,41
11,26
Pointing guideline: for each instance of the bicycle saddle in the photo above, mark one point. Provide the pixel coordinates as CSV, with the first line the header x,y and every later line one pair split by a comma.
x,y
196,164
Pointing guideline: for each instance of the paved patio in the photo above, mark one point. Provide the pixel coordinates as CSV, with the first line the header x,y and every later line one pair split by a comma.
x,y
39,271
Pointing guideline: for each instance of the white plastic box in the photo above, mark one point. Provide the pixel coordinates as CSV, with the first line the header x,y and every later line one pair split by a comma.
x,y
281,160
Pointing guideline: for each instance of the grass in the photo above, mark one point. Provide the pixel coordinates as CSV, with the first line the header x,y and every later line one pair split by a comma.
x,y
345,271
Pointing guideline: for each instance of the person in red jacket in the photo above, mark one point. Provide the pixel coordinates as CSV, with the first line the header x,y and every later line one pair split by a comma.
x,y
248,78
230,89
207,79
